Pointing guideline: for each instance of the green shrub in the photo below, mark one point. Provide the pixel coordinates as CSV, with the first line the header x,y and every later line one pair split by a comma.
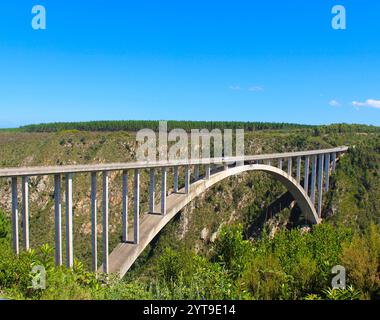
x,y
5,226
361,258
265,279
293,263
199,279
336,294
171,265
231,250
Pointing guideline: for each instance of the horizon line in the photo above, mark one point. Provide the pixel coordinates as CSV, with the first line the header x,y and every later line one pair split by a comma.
x,y
189,121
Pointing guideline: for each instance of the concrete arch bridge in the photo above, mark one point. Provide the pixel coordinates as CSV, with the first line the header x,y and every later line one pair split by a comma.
x,y
318,165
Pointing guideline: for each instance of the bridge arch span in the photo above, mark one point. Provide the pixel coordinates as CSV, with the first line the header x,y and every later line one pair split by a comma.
x,y
125,254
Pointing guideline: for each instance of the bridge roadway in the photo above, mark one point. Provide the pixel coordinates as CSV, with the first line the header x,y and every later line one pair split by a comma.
x,y
51,170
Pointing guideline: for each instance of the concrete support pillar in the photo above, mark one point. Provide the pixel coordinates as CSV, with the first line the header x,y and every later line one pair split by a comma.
x,y
298,169
306,178
125,206
290,166
58,219
196,172
175,179
136,213
15,238
208,171
280,164
25,211
163,190
94,222
320,183
269,162
327,172
69,221
333,162
152,190
313,178
225,166
187,179
105,220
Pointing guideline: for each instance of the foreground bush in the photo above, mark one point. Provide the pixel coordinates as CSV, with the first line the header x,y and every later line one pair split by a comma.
x,y
361,257
291,265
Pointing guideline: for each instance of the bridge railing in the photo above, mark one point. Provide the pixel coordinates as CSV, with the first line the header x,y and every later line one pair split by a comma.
x,y
322,163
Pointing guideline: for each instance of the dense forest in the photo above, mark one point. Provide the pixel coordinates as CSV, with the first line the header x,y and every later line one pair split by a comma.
x,y
154,125
136,125
282,261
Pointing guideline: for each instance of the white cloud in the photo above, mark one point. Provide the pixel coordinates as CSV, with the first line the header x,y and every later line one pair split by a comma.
x,y
235,88
334,103
256,88
371,103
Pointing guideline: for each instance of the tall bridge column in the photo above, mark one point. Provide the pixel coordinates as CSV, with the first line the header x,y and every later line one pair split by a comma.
x,y
187,179
208,171
333,162
298,169
290,166
269,162
58,219
320,183
280,164
69,221
94,221
175,179
105,220
136,222
15,237
25,211
327,172
313,179
125,206
306,179
152,190
163,190
196,172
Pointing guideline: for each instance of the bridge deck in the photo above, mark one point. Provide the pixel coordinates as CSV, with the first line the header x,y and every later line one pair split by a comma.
x,y
48,170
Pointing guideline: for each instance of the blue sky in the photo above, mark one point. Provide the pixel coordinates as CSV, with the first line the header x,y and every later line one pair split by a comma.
x,y
199,60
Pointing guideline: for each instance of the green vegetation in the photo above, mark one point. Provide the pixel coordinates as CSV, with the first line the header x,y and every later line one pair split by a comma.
x,y
135,125
238,257
292,265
